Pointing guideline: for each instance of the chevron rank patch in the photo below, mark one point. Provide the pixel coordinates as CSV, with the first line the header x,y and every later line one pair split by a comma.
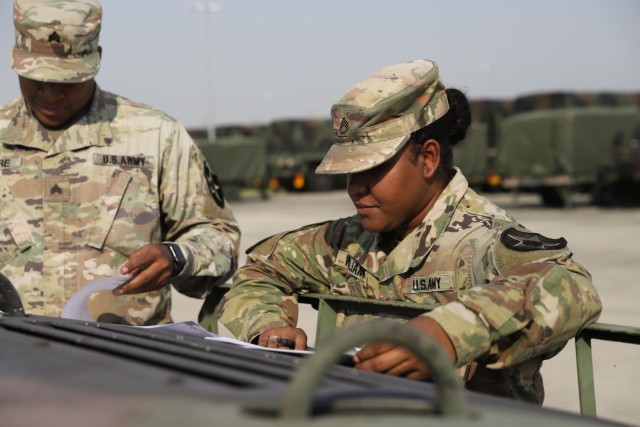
x,y
525,241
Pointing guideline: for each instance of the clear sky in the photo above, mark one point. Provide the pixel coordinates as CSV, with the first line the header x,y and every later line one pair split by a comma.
x,y
275,59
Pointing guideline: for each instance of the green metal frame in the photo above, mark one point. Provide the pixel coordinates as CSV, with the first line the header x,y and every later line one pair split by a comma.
x,y
584,357
328,307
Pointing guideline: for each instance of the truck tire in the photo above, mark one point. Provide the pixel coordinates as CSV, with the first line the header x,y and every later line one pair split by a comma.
x,y
555,197
319,182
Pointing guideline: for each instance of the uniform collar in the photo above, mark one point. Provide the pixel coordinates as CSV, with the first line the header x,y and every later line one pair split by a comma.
x,y
412,250
90,130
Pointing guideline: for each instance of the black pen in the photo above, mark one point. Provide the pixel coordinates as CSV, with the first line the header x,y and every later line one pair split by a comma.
x,y
286,342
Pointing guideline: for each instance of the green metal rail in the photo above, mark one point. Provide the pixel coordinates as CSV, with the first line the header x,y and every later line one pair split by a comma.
x,y
584,357
328,307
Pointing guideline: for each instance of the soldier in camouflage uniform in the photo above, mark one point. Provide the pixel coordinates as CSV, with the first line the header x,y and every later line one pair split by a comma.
x,y
507,297
95,185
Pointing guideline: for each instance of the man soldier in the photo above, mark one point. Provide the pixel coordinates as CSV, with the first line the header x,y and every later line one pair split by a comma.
x,y
94,185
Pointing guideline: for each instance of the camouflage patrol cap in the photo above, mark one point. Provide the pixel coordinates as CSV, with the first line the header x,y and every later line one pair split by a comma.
x,y
375,118
56,40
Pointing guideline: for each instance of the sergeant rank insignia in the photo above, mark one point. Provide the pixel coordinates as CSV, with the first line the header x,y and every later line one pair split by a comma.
x,y
525,241
54,37
344,126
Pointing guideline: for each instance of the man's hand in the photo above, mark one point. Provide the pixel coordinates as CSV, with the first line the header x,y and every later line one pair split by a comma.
x,y
283,337
395,360
151,267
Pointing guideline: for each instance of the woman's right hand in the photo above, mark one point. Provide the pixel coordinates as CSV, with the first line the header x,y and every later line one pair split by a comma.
x,y
283,337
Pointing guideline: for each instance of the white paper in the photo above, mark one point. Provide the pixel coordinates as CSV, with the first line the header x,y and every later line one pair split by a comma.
x,y
77,306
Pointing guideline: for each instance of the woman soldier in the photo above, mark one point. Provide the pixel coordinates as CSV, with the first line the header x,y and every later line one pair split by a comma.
x,y
507,297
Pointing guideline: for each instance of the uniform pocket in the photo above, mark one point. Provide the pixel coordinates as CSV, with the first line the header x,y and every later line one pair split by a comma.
x,y
127,216
15,234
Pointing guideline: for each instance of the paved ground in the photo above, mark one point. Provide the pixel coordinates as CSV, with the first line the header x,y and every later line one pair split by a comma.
x,y
604,240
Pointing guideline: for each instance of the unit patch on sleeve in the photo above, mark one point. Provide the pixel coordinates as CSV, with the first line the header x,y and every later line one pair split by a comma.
x,y
438,283
525,241
214,186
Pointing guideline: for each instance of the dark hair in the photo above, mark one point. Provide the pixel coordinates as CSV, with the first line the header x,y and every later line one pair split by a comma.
x,y
448,130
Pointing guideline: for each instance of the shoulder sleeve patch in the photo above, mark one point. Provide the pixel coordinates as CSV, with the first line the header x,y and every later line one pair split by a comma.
x,y
526,241
518,246
214,186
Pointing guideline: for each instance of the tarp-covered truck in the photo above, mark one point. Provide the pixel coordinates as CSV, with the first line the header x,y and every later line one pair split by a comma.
x,y
238,161
476,155
295,148
290,151
558,152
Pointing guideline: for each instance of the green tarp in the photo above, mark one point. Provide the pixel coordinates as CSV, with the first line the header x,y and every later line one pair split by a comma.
x,y
471,154
566,146
237,160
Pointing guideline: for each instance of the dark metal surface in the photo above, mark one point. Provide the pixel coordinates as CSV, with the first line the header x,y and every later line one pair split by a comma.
x,y
9,299
67,372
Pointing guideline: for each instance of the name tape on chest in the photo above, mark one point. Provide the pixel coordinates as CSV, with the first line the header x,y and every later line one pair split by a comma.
x,y
347,261
122,160
10,163
418,285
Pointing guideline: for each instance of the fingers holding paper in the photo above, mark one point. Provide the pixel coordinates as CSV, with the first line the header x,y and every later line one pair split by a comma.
x,y
150,267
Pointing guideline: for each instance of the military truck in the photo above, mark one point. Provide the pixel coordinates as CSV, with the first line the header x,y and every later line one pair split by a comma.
x,y
476,155
238,161
560,144
528,144
295,148
64,372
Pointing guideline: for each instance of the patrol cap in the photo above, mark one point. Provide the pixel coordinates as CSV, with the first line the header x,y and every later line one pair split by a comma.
x,y
375,118
56,40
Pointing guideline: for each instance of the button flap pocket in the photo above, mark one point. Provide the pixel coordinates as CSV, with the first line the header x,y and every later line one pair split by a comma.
x,y
109,205
12,222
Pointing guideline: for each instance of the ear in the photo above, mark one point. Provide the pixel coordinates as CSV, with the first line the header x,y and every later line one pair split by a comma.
x,y
430,158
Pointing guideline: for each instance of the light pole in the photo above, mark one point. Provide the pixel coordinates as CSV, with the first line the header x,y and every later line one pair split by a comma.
x,y
208,9
486,68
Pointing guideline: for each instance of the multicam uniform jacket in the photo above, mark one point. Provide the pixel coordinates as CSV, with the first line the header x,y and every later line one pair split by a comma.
x,y
76,203
507,297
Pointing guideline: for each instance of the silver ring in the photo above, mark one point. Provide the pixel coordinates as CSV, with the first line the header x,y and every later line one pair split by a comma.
x,y
274,337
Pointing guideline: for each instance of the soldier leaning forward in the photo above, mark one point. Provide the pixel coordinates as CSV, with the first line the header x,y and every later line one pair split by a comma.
x,y
507,297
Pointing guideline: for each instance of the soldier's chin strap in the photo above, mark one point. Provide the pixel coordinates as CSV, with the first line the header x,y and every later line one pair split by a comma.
x,y
9,299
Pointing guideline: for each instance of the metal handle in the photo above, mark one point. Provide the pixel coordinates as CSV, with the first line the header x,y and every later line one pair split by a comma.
x,y
298,400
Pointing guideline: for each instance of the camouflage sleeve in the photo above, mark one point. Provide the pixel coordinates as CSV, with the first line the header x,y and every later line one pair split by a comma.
x,y
530,298
196,216
265,289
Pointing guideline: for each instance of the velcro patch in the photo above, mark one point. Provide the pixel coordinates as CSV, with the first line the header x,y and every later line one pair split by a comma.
x,y
525,241
57,188
214,186
428,284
